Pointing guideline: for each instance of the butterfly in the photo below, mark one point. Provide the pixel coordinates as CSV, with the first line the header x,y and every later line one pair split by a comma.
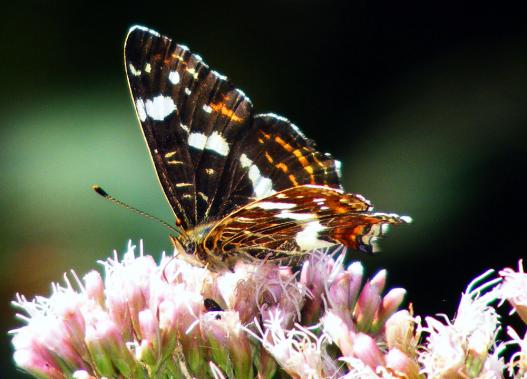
x,y
242,186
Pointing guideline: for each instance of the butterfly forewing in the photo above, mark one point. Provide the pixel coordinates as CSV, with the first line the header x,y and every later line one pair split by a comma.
x,y
190,115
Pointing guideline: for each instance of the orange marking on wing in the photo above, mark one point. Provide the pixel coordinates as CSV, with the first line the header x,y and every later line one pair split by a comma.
x,y
301,158
282,166
267,136
224,111
268,157
314,155
298,154
305,163
284,144
293,180
179,58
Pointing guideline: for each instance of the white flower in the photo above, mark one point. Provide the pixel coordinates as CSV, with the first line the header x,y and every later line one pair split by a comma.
x,y
466,346
297,350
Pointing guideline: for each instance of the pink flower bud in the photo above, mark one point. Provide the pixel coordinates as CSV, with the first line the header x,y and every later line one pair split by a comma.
x,y
38,364
400,332
339,331
390,303
365,348
344,290
379,280
146,353
94,287
229,344
402,365
148,324
314,276
106,344
367,305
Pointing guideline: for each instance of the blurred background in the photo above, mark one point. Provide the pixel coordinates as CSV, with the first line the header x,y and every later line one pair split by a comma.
x,y
426,105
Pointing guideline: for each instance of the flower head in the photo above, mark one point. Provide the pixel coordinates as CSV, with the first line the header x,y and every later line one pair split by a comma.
x,y
465,347
143,319
514,289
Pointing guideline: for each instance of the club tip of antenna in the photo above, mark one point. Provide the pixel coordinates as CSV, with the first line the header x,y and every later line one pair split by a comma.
x,y
99,190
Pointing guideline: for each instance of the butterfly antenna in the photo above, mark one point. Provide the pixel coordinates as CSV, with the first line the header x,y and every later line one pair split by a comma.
x,y
105,195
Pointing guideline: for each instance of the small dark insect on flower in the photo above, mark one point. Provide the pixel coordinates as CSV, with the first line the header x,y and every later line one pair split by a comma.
x,y
211,306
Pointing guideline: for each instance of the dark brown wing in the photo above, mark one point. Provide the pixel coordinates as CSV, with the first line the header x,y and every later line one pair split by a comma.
x,y
190,116
273,156
297,220
210,154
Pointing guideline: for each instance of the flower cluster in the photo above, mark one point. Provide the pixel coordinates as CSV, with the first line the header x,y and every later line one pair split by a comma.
x,y
156,320
176,320
514,290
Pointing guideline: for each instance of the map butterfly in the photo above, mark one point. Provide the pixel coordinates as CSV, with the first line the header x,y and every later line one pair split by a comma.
x,y
242,186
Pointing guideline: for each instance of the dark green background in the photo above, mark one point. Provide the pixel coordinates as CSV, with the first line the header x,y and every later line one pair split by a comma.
x,y
425,103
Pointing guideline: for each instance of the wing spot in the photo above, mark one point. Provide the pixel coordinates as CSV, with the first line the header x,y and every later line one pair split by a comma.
x,y
220,76
296,216
133,70
216,142
197,140
338,168
203,196
268,157
271,205
245,161
160,107
207,108
174,77
177,57
192,71
209,171
307,239
148,68
262,186
187,91
170,154
179,185
140,108
184,127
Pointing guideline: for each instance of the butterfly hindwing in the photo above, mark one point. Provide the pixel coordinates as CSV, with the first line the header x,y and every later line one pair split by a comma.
x,y
297,220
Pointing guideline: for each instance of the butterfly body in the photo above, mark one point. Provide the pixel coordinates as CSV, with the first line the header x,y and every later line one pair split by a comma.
x,y
242,186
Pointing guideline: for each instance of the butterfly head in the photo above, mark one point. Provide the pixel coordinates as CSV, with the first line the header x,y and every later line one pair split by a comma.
x,y
188,243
